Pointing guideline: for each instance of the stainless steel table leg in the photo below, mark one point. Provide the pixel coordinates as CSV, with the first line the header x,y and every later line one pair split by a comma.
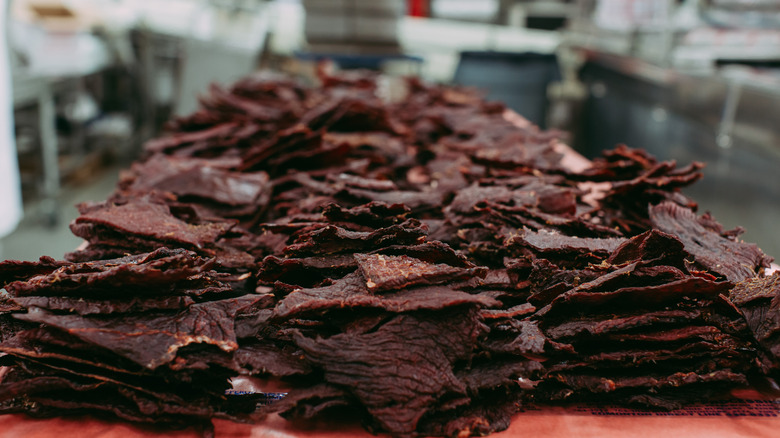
x,y
50,151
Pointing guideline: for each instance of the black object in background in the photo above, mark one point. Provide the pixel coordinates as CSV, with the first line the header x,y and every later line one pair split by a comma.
x,y
518,79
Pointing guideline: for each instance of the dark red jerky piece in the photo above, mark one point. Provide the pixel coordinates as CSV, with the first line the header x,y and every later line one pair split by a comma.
x,y
546,242
198,178
759,301
512,312
597,327
468,198
306,403
13,270
351,291
153,340
169,143
265,357
736,261
374,214
387,272
631,297
83,306
755,289
305,272
598,384
547,280
161,268
671,335
494,373
145,221
416,201
429,251
652,245
331,239
515,337
403,369
697,355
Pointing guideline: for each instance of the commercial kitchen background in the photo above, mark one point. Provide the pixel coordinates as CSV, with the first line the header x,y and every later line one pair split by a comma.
x,y
686,80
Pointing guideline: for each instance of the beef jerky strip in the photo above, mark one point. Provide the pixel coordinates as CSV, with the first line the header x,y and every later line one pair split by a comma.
x,y
386,272
631,297
597,327
351,291
736,261
404,368
332,239
146,221
547,242
601,384
759,301
152,340
83,306
161,268
14,270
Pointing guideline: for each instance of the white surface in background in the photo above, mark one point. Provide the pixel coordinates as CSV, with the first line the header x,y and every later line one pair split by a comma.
x,y
10,188
482,10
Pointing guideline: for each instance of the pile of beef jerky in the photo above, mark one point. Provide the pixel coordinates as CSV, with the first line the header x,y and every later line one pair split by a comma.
x,y
427,264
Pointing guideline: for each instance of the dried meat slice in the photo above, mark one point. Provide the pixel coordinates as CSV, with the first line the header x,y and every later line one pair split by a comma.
x,y
736,261
352,292
15,270
332,239
387,272
144,222
404,368
152,273
153,340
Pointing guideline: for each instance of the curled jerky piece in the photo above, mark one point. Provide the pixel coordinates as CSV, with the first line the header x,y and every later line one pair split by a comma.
x,y
145,223
734,260
386,272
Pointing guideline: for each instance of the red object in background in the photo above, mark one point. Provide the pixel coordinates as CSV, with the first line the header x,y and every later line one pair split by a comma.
x,y
418,8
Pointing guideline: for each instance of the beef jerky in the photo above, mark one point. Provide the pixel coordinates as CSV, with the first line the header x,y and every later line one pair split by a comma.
x,y
153,340
374,214
146,222
600,326
650,296
431,251
516,337
305,403
351,291
403,369
83,306
512,312
546,242
305,272
601,384
755,290
14,270
494,373
386,272
332,239
265,357
736,261
162,268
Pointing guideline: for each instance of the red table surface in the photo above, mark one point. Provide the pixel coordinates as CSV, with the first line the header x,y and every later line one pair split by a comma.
x,y
544,423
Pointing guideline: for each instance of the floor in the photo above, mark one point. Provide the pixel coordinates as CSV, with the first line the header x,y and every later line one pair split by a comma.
x,y
35,237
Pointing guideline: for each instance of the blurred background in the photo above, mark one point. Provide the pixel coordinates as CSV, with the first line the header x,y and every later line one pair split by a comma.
x,y
687,80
